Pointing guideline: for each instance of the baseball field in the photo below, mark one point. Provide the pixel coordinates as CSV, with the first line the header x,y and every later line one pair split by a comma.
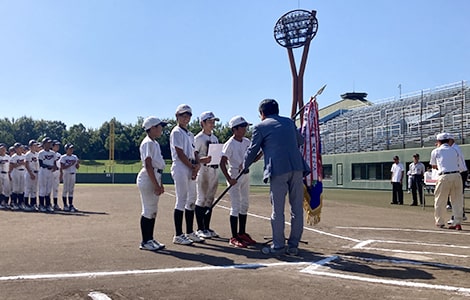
x,y
363,248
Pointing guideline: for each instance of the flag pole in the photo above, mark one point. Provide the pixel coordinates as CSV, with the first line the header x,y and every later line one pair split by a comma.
x,y
311,99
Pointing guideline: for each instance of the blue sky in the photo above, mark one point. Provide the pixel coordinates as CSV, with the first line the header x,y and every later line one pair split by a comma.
x,y
87,61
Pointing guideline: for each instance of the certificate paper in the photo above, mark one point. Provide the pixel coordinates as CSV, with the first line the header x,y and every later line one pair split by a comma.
x,y
215,152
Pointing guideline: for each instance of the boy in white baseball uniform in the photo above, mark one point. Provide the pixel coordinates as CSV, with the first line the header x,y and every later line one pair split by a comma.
x,y
207,177
69,163
31,176
233,154
4,177
184,169
56,174
149,181
47,164
17,170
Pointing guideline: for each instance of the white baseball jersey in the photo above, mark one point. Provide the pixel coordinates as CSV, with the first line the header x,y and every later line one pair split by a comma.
x,y
239,193
235,153
4,179
183,139
56,175
17,175
69,160
69,177
202,141
32,160
149,148
31,185
185,187
4,164
47,157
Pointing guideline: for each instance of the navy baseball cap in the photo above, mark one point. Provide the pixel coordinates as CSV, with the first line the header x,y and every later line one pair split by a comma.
x,y
55,142
46,140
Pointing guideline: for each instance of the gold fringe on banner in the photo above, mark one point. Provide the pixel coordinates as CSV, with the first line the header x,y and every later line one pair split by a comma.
x,y
313,214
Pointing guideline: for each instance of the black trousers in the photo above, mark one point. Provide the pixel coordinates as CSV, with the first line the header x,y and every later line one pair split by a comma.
x,y
397,193
417,185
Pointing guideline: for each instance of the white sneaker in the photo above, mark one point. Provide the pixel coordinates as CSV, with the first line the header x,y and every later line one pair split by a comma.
x,y
213,233
193,237
182,240
205,234
450,221
151,245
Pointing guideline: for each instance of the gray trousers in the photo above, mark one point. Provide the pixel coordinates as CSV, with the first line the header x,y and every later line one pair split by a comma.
x,y
279,187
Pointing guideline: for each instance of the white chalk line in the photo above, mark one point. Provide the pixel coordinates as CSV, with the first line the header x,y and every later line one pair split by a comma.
x,y
408,261
143,272
449,288
363,244
313,270
441,231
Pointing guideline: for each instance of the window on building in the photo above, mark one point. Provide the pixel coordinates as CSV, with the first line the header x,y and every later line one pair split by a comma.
x,y
328,172
371,171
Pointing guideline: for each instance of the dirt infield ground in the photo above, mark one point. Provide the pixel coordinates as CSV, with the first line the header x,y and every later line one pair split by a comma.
x,y
363,248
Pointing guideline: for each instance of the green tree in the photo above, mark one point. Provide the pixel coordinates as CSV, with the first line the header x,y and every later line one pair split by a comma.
x,y
6,132
23,130
80,138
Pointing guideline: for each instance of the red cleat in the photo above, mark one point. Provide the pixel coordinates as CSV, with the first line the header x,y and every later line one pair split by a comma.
x,y
246,238
456,227
237,243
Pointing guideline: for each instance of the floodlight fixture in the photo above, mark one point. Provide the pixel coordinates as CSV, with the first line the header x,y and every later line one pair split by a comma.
x,y
295,28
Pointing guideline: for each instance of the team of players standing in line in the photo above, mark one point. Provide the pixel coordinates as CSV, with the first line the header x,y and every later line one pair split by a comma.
x,y
195,178
35,171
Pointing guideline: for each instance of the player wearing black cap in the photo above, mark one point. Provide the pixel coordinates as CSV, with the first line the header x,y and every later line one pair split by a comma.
x,y
17,170
47,165
56,174
69,163
4,178
31,175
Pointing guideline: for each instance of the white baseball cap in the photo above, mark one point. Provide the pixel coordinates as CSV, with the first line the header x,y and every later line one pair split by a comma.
x,y
149,122
208,115
183,108
237,120
444,136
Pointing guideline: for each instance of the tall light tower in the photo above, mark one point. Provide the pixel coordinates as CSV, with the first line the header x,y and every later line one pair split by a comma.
x,y
293,30
111,146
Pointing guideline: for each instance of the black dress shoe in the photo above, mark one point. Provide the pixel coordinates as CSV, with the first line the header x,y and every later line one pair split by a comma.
x,y
414,204
394,203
